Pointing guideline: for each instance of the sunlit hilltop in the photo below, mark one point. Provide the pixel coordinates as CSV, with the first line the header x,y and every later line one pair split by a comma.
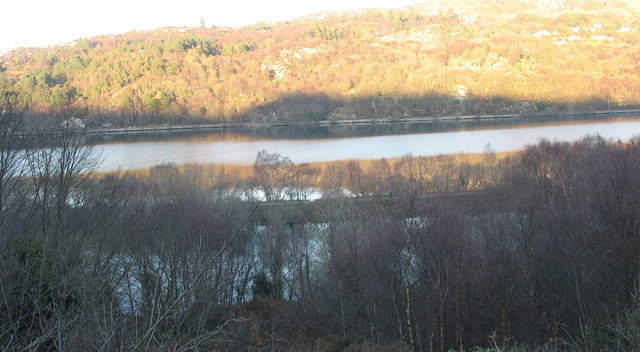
x,y
433,59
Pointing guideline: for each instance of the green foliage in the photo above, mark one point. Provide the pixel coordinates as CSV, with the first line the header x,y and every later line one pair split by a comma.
x,y
157,65
58,98
84,44
261,26
245,46
125,102
73,63
30,254
529,18
172,68
36,280
398,18
165,99
151,103
228,50
262,286
36,86
5,82
325,32
154,102
38,80
575,19
204,46
11,100
339,344
405,55
124,73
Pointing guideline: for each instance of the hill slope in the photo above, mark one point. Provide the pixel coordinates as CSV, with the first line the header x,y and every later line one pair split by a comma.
x,y
437,58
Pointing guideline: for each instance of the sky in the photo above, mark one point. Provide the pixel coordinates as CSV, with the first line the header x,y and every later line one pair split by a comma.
x,y
28,23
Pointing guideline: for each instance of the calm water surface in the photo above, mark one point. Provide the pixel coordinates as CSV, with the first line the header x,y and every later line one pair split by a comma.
x,y
318,144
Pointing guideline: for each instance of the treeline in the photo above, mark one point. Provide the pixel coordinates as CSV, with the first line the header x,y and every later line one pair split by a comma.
x,y
370,64
276,177
545,256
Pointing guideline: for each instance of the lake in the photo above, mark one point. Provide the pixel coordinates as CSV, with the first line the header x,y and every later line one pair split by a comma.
x,y
331,143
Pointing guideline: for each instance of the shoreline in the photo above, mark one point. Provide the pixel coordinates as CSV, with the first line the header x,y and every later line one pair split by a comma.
x,y
245,171
449,118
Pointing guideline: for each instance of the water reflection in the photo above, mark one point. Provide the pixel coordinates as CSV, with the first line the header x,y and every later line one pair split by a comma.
x,y
318,144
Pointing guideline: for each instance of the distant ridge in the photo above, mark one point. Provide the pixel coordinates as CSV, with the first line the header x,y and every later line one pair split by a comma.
x,y
427,60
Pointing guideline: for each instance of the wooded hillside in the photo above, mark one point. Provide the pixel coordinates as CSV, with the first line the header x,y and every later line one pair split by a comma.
x,y
439,58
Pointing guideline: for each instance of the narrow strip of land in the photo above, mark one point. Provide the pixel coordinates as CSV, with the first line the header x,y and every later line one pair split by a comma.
x,y
221,126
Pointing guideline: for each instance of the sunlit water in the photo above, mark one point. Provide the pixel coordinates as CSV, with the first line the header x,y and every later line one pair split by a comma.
x,y
363,142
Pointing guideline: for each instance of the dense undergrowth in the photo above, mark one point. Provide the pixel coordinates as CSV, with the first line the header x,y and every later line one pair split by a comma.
x,y
541,254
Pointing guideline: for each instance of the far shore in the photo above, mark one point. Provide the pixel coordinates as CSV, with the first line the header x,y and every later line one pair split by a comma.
x,y
452,118
245,172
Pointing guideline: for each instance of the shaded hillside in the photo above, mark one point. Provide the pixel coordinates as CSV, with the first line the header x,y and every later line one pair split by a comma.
x,y
437,58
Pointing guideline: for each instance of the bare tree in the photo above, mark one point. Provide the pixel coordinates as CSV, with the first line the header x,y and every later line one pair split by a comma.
x,y
13,149
301,181
270,170
334,181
